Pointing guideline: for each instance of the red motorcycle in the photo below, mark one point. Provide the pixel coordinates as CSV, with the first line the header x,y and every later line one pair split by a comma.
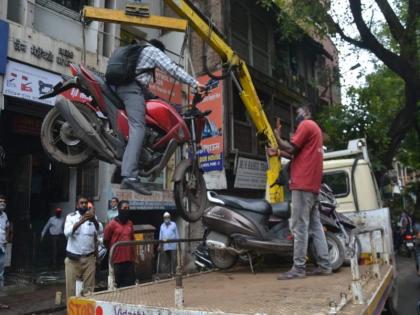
x,y
73,132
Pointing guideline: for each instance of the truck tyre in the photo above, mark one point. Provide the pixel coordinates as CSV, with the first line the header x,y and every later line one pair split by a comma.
x,y
222,259
58,141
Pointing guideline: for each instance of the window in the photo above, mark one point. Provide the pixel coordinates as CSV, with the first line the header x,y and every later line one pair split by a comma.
x,y
88,180
75,5
250,35
338,182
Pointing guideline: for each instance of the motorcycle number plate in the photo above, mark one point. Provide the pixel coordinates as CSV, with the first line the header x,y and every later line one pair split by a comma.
x,y
410,245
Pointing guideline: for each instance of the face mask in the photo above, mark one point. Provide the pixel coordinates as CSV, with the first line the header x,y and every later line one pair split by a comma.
x,y
2,207
83,210
299,119
123,216
167,221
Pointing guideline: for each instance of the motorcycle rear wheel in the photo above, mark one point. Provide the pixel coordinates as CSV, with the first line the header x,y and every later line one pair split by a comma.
x,y
190,194
58,142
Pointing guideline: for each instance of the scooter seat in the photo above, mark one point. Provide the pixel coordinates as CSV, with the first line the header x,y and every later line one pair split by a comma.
x,y
260,206
281,210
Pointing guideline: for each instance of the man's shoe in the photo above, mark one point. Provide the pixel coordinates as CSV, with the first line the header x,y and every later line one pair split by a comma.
x,y
136,185
292,274
318,271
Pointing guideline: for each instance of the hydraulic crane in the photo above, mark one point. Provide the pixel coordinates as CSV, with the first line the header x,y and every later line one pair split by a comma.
x,y
237,68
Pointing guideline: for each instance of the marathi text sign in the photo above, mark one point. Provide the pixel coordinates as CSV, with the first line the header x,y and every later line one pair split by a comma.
x,y
211,153
250,174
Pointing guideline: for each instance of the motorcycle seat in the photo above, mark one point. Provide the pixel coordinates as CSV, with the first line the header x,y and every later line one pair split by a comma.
x,y
281,210
260,206
106,89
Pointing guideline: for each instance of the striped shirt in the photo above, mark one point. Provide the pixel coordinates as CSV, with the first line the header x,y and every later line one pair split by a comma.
x,y
151,57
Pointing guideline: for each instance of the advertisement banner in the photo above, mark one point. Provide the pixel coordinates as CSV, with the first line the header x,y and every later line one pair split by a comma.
x,y
4,41
30,83
211,154
251,174
165,88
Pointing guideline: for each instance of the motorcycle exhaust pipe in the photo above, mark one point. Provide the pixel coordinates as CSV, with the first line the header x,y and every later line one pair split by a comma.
x,y
82,128
212,244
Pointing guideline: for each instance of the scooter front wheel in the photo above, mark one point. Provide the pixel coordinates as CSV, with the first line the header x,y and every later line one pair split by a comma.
x,y
222,259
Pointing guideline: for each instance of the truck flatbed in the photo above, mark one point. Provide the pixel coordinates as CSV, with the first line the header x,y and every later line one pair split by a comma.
x,y
240,292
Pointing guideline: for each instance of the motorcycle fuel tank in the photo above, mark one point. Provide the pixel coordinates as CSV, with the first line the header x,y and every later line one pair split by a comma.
x,y
165,117
228,222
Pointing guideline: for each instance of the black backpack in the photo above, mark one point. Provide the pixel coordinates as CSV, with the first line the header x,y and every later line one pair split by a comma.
x,y
122,64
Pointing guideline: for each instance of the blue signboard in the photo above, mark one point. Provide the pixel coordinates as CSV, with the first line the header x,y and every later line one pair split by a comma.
x,y
4,40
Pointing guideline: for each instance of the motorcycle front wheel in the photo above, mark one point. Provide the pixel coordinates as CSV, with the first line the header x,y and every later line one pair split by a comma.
x,y
190,194
58,140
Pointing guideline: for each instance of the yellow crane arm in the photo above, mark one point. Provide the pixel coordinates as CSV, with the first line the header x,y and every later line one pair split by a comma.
x,y
241,77
244,83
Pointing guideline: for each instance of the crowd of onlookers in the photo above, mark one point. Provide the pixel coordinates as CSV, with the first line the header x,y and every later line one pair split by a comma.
x,y
88,241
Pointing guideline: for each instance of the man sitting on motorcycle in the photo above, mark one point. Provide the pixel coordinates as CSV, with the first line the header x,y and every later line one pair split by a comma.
x,y
132,95
306,149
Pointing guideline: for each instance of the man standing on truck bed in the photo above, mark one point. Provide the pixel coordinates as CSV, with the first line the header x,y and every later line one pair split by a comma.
x,y
305,182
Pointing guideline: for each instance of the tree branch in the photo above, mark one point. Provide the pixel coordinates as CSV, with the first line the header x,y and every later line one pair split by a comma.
x,y
392,60
394,24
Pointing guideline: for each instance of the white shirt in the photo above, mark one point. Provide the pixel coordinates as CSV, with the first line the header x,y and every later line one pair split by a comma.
x,y
4,224
54,226
82,242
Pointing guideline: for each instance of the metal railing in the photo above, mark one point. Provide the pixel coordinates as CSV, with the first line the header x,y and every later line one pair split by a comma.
x,y
179,291
357,280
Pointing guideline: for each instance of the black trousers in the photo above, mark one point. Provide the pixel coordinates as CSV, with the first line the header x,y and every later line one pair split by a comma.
x,y
124,274
55,246
169,260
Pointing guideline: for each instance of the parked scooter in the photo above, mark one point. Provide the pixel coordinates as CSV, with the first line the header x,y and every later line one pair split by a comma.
x,y
239,226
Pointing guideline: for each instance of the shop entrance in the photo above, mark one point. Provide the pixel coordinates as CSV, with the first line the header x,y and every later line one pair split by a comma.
x,y
29,182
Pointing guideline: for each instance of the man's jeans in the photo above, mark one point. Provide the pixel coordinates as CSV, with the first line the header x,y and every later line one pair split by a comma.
x,y
2,258
305,221
132,96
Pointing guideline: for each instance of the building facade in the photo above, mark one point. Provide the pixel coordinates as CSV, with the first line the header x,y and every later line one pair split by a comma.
x,y
44,36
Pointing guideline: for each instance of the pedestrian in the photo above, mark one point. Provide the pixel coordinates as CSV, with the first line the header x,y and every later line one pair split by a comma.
x,y
81,229
168,231
417,247
5,237
306,150
151,55
55,227
113,211
121,229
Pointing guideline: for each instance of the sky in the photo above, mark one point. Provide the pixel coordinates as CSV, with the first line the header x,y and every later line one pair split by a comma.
x,y
349,57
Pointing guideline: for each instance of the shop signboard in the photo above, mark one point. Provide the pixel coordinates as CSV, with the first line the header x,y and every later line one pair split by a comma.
x,y
211,153
250,174
30,83
4,40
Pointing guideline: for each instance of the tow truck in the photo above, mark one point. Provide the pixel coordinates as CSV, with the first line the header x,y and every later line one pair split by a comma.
x,y
358,289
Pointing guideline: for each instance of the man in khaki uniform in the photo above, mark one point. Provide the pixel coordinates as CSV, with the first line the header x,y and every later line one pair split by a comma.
x,y
81,229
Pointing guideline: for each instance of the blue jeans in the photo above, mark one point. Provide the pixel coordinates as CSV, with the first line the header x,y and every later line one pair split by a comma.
x,y
2,257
